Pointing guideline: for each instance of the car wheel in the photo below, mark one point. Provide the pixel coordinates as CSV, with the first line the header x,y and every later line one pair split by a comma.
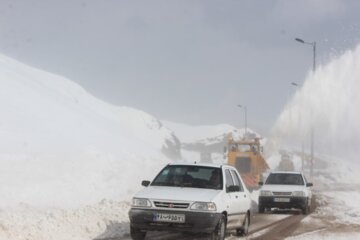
x,y
220,230
244,230
137,234
306,208
261,208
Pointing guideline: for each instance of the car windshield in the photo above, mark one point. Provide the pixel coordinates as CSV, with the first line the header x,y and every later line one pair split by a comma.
x,y
190,176
285,179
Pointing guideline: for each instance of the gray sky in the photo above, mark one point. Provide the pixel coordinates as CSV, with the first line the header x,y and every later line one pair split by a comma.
x,y
183,61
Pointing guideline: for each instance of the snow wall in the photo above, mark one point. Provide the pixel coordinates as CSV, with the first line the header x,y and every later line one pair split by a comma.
x,y
62,147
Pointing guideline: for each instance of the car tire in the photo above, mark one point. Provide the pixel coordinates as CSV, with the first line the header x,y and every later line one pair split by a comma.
x,y
306,209
244,230
261,208
220,230
137,234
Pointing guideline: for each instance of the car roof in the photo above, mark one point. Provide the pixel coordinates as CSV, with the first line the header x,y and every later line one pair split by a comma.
x,y
286,172
216,165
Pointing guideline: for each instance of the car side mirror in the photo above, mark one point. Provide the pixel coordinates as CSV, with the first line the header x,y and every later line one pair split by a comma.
x,y
261,183
309,184
145,183
233,188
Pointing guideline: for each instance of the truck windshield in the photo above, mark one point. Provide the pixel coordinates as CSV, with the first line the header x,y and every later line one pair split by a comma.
x,y
285,179
190,176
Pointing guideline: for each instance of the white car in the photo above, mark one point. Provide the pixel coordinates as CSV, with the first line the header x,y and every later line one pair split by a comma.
x,y
285,190
195,198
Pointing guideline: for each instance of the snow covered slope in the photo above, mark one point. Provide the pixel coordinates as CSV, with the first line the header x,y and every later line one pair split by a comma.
x,y
60,146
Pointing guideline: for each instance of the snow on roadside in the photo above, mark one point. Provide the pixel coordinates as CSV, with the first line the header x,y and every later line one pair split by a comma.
x,y
104,219
340,207
320,235
62,151
62,147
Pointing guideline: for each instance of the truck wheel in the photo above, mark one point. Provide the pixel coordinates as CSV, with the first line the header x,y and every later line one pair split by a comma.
x,y
220,230
244,230
137,234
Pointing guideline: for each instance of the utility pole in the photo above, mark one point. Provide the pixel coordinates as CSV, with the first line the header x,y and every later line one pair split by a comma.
x,y
313,44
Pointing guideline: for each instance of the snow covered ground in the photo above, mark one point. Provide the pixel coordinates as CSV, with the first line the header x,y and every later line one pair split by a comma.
x,y
69,163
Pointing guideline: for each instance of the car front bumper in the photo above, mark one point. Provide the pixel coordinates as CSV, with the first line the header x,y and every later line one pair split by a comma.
x,y
274,202
195,222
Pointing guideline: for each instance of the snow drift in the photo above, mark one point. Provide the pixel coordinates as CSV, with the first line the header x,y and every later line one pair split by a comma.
x,y
60,146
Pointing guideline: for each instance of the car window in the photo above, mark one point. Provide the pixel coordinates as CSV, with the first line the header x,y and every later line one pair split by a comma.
x,y
285,179
237,180
229,180
190,176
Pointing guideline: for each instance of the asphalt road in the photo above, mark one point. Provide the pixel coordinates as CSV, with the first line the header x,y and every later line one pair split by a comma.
x,y
270,226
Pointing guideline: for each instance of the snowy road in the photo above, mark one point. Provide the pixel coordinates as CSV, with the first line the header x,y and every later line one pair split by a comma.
x,y
264,226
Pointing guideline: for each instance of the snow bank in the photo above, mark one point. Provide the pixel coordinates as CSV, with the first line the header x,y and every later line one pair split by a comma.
x,y
105,219
341,205
320,235
62,147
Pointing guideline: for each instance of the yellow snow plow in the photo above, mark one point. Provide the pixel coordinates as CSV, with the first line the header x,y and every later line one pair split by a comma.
x,y
246,156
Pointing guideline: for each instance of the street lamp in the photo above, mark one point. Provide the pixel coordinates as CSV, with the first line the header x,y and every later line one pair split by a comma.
x,y
313,44
245,111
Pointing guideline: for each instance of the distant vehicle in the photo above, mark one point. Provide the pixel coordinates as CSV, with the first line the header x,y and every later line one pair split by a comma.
x,y
195,198
285,190
286,164
246,156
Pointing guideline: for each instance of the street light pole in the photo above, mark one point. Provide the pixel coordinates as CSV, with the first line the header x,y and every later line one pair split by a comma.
x,y
245,114
313,44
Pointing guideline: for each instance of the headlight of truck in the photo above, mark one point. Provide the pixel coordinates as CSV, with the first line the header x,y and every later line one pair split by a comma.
x,y
265,193
298,194
203,206
141,202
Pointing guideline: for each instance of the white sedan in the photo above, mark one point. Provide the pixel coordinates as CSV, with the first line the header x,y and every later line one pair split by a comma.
x,y
285,190
195,198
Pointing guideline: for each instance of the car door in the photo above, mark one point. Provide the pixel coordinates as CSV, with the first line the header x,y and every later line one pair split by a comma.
x,y
242,197
233,209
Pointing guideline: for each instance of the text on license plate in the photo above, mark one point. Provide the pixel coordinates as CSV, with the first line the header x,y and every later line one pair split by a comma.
x,y
281,199
165,217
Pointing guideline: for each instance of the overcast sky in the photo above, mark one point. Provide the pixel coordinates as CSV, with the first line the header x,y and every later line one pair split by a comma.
x,y
184,61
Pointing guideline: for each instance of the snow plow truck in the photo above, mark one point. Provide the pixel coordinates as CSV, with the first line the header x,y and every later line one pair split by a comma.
x,y
246,156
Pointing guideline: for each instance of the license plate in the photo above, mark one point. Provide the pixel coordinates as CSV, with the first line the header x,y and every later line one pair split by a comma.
x,y
281,199
165,217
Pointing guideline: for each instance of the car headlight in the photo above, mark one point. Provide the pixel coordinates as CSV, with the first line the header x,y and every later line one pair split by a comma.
x,y
298,194
265,193
141,202
203,206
